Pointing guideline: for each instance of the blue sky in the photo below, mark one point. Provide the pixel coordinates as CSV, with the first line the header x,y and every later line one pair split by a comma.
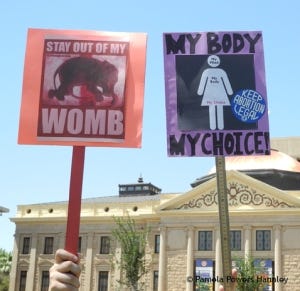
x,y
36,174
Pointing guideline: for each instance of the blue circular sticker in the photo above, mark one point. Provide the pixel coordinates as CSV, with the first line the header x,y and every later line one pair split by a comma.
x,y
248,105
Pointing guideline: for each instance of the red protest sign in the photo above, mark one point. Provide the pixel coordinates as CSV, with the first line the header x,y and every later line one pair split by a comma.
x,y
83,88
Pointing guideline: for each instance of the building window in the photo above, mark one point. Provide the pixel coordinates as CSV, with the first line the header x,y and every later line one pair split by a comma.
x,y
23,277
155,281
263,240
26,245
235,240
48,247
156,243
205,240
105,245
45,281
103,281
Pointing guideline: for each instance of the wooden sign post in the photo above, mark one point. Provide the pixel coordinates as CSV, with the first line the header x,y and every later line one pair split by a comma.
x,y
75,192
224,220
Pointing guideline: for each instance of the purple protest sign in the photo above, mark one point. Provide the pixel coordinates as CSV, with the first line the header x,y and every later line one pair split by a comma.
x,y
216,99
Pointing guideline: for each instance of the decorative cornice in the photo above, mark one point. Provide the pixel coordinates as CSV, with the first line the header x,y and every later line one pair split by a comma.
x,y
238,195
45,260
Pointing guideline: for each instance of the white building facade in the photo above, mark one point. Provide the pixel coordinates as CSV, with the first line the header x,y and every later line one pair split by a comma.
x,y
264,207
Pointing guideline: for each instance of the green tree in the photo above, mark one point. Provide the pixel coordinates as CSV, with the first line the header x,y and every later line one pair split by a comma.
x,y
247,275
5,266
202,286
133,241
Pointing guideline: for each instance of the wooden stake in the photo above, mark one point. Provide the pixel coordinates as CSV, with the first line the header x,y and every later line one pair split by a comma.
x,y
75,192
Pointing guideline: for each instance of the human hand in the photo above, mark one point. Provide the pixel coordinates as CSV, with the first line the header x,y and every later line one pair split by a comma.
x,y
234,276
64,274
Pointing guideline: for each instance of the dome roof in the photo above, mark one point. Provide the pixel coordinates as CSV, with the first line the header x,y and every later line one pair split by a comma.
x,y
276,160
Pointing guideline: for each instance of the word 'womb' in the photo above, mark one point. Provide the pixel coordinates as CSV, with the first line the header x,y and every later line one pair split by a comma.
x,y
78,122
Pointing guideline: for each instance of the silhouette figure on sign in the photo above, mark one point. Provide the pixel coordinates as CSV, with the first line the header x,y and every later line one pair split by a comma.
x,y
215,87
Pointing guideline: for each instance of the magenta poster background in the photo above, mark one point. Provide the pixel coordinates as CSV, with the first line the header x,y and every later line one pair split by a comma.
x,y
216,98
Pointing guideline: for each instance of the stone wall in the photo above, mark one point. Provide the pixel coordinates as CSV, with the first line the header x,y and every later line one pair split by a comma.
x,y
291,270
176,271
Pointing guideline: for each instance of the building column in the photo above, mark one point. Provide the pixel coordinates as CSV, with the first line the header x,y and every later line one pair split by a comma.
x,y
61,239
277,255
89,262
218,258
162,260
14,265
247,240
190,258
117,271
32,264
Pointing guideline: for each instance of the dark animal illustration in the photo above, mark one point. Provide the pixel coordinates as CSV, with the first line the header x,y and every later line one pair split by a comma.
x,y
99,77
